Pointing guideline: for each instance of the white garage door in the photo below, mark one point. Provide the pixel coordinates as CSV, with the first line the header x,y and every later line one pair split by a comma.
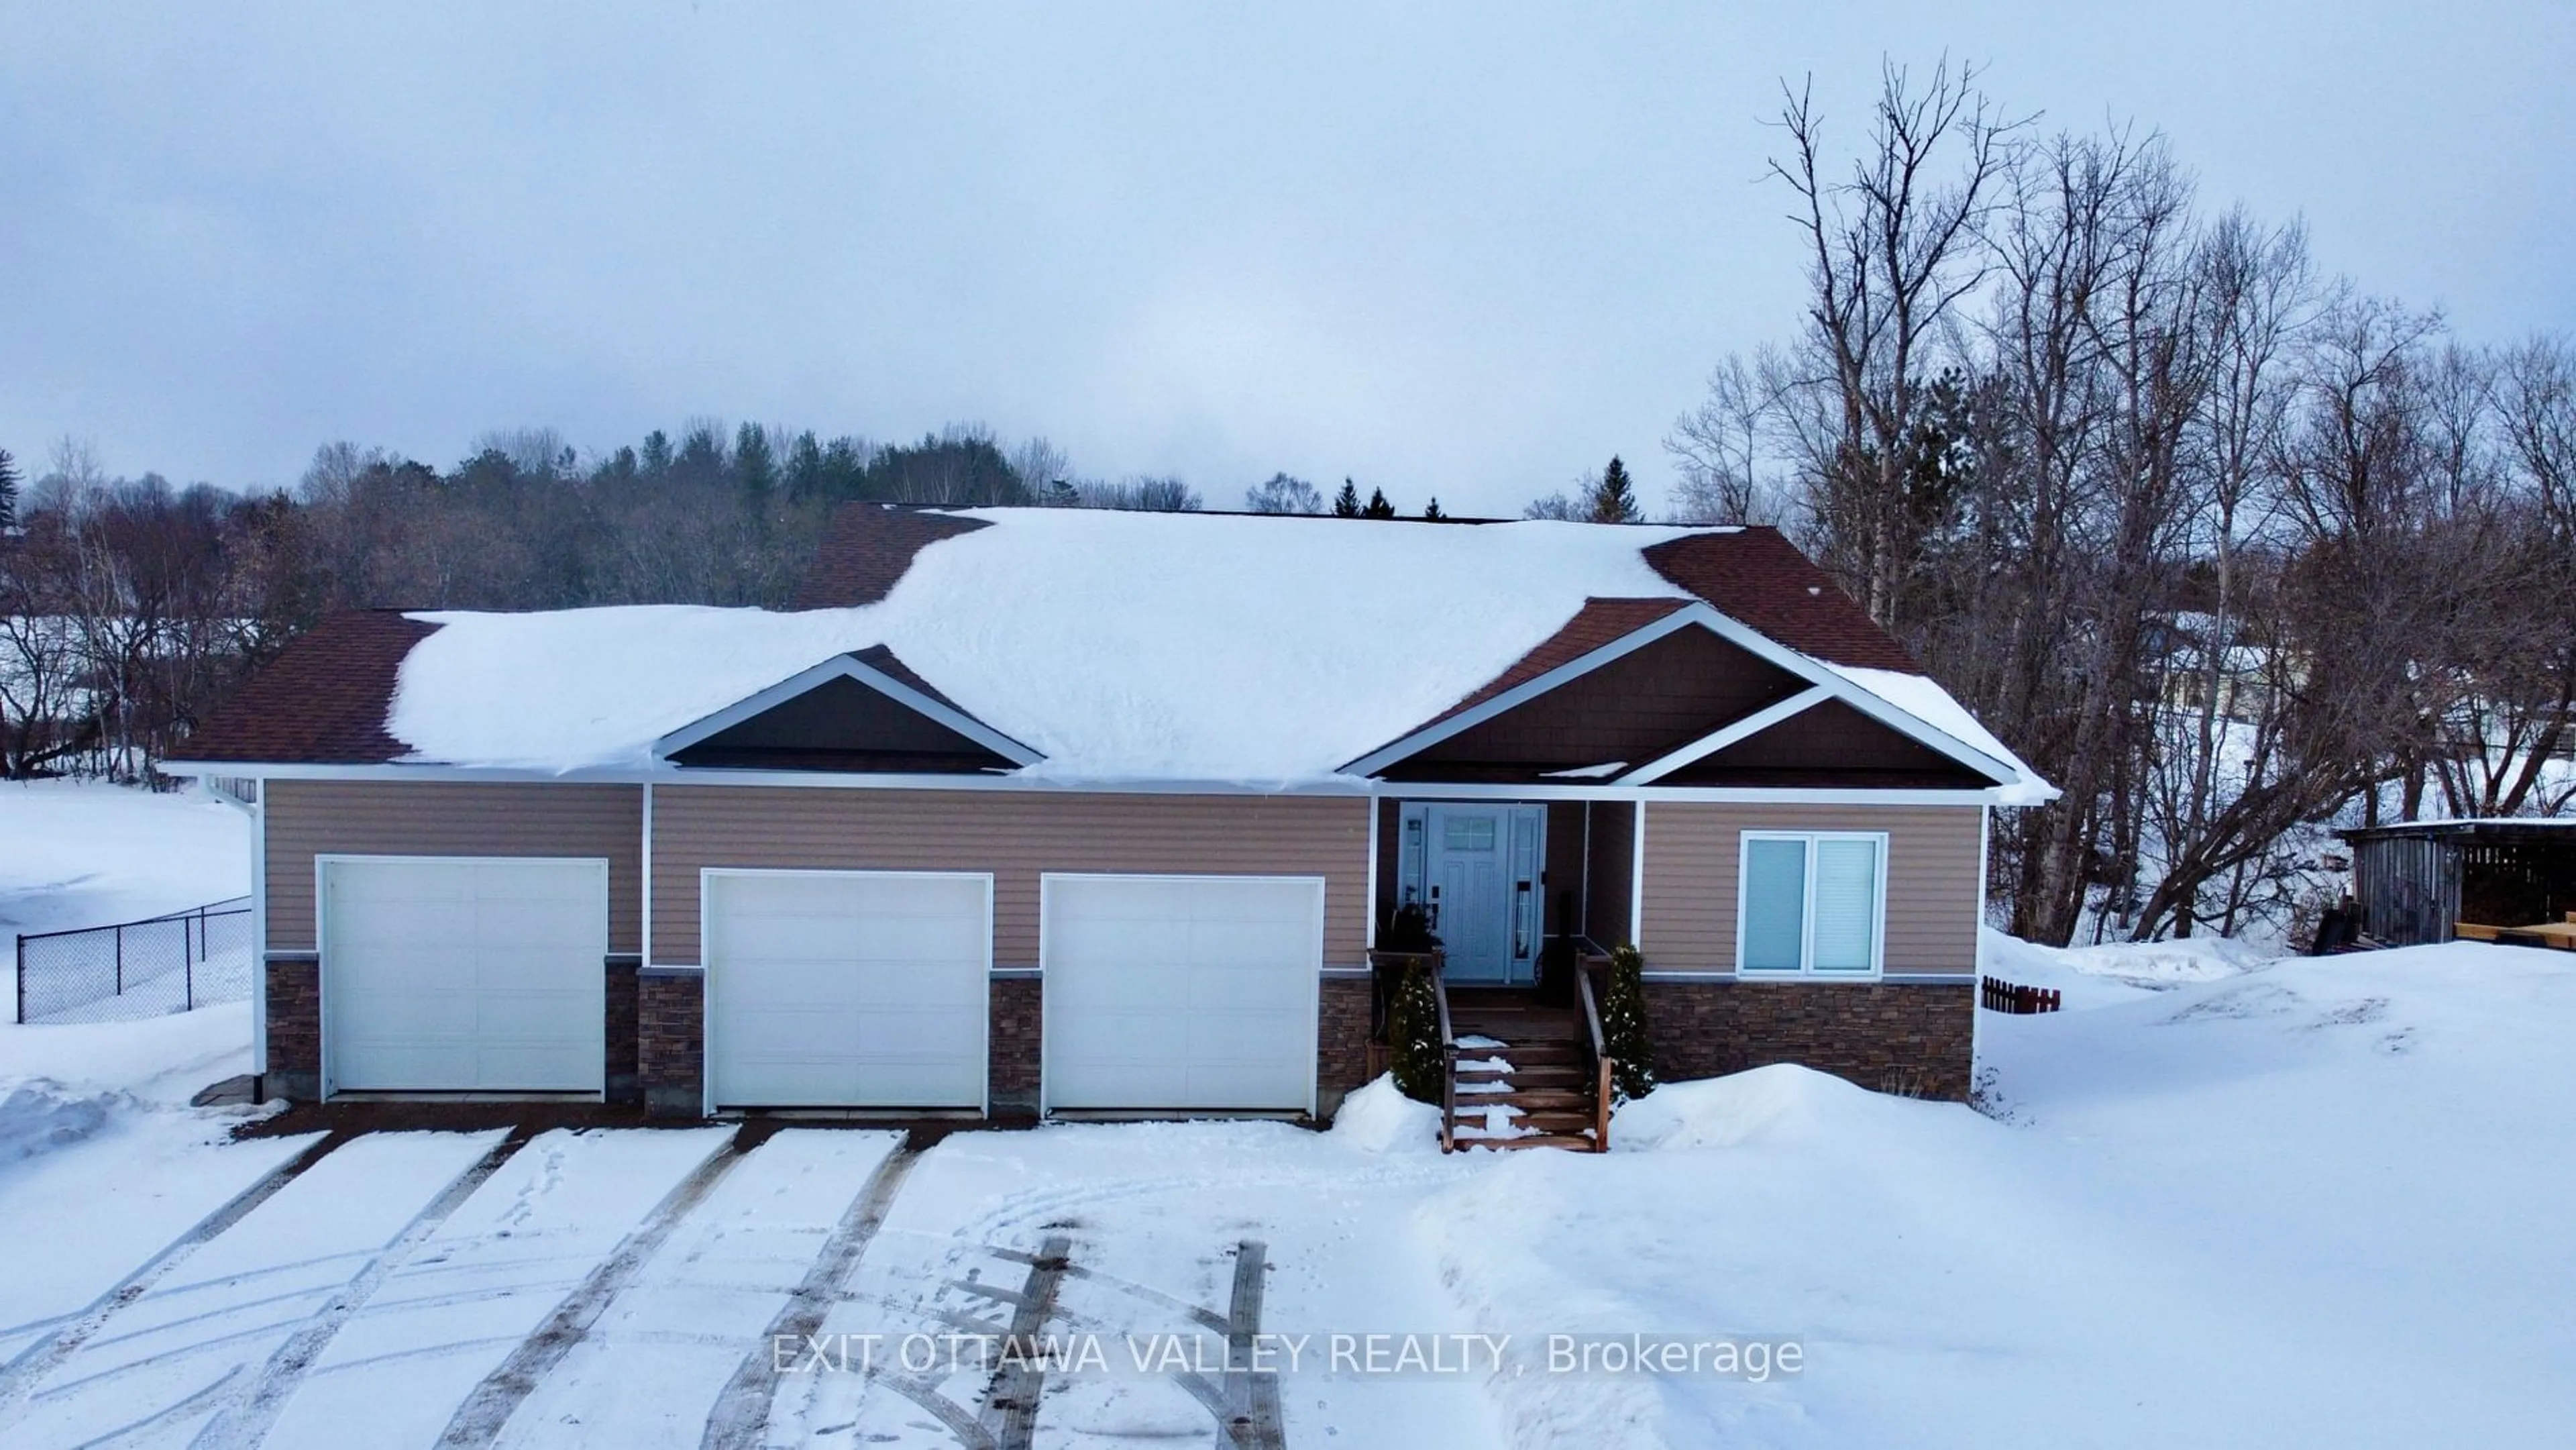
x,y
1181,991
454,975
847,988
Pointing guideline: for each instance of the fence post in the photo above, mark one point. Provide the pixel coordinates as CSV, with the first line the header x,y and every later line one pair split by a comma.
x,y
120,961
21,1018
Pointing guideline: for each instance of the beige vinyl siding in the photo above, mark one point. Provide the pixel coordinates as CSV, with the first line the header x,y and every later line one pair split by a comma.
x,y
1611,873
1933,888
307,818
1014,836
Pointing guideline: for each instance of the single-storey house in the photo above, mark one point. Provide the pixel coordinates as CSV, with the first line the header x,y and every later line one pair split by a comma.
x,y
1060,810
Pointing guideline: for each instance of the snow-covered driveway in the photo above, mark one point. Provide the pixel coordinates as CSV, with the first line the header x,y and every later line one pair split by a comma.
x,y
2311,1202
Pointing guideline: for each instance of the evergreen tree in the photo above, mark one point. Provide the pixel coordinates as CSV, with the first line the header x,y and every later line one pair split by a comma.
x,y
755,471
700,461
1378,507
1432,514
8,490
1413,1035
1346,504
805,466
621,466
656,455
1624,1033
1614,499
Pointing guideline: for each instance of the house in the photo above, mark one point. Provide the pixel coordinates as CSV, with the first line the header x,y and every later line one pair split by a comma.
x,y
1065,810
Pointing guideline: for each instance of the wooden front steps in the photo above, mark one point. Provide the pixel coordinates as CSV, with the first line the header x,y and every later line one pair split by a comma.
x,y
1546,1081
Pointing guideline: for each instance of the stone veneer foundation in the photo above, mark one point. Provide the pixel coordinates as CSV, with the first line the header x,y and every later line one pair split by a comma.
x,y
1018,1044
1887,1036
1341,1040
670,1040
294,1027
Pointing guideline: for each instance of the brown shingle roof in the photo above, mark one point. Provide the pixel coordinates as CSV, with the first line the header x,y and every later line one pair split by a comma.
x,y
1757,576
877,657
322,701
1598,622
865,549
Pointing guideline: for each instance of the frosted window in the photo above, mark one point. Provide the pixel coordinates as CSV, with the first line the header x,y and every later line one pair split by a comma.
x,y
1846,904
1775,904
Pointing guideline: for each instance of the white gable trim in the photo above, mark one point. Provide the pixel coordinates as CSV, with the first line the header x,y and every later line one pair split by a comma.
x,y
1531,689
845,667
1717,740
1752,641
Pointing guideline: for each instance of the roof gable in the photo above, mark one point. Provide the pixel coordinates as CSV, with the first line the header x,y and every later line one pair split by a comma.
x,y
1955,736
863,711
1634,707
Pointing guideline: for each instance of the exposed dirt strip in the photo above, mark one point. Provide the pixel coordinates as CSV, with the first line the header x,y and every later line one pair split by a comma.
x,y
502,1391
253,1409
1252,1420
47,1353
742,1411
1011,1404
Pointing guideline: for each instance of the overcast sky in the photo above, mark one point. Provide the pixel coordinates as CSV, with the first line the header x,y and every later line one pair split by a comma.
x,y
1465,252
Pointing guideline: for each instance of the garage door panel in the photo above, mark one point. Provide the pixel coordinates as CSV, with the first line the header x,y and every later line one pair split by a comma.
x,y
465,976
1238,991
848,989
533,926
1181,992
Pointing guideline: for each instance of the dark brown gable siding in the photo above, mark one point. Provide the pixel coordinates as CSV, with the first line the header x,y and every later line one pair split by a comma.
x,y
1599,622
842,724
1760,579
323,699
866,548
1652,700
1831,744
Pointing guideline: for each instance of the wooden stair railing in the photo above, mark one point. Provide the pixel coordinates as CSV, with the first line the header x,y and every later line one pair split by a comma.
x,y
1601,1063
1448,1059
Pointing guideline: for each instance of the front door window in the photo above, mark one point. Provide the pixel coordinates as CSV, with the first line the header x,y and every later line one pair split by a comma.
x,y
1478,882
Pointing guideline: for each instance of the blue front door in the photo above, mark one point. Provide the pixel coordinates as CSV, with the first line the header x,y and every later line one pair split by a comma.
x,y
1479,885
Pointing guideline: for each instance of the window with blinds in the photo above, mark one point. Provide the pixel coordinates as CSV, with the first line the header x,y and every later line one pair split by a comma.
x,y
1810,903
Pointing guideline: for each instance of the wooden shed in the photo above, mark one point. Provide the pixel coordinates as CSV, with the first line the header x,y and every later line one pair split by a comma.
x,y
2415,881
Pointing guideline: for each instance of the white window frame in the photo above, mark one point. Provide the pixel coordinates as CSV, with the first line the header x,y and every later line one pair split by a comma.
x,y
1806,970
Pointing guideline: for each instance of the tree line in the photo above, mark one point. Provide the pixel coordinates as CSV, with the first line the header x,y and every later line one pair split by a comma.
x,y
2228,549
130,606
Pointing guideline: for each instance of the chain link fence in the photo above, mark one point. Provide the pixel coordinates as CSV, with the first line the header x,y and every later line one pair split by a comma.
x,y
163,964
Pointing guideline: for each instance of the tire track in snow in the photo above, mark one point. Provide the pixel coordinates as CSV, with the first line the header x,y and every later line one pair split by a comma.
x,y
252,1411
49,1352
742,1411
489,1407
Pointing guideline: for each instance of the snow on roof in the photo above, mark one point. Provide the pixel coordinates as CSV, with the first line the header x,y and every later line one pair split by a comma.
x,y
1122,646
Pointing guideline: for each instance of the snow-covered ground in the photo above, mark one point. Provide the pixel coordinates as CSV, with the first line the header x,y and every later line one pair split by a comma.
x,y
2212,1202
79,853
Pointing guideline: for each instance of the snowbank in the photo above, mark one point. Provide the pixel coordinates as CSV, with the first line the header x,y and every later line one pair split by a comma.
x,y
1783,1102
38,1117
2115,971
159,1060
1379,1118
